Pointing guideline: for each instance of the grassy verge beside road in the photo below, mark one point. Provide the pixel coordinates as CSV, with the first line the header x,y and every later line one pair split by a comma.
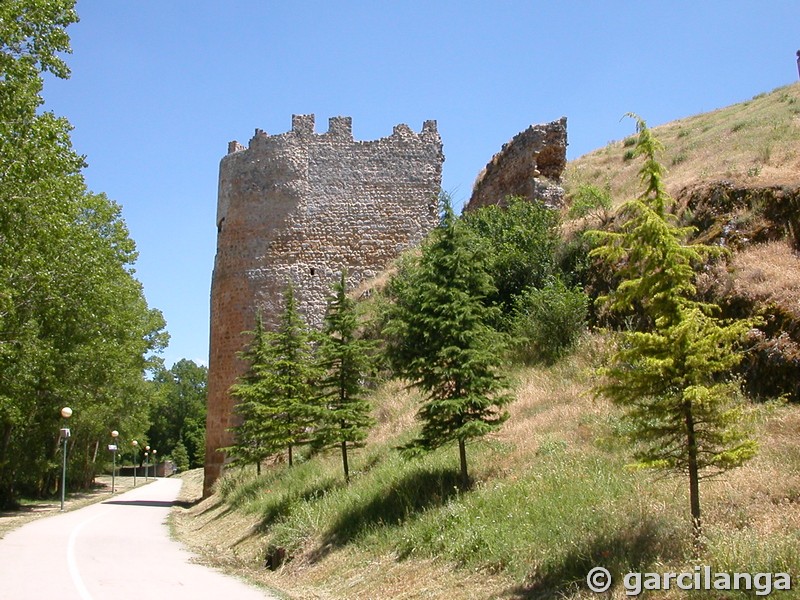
x,y
552,498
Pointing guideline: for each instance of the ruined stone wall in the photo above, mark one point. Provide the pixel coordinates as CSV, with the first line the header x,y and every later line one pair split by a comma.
x,y
301,207
530,165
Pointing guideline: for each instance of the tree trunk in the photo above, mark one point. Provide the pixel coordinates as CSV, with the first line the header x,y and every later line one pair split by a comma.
x,y
5,440
258,467
694,477
290,455
344,462
7,495
462,452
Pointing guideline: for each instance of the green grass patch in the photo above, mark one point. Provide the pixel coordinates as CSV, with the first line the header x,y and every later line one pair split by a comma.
x,y
679,158
308,507
744,550
569,513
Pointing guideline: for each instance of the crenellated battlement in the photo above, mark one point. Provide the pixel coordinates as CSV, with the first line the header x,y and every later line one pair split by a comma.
x,y
302,207
303,124
340,129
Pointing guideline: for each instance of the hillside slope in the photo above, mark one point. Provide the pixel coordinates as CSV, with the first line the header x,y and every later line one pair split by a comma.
x,y
553,496
552,499
754,143
735,173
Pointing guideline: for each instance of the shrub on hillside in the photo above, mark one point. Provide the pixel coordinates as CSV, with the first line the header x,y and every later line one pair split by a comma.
x,y
520,242
592,202
547,322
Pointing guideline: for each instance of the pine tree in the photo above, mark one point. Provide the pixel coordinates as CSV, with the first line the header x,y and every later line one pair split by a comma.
x,y
346,364
276,405
252,395
291,410
440,339
672,375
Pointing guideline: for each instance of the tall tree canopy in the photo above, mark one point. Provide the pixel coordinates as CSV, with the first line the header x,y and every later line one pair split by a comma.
x,y
75,328
178,412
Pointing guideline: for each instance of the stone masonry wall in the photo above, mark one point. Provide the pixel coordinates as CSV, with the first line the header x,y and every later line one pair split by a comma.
x,y
301,207
530,165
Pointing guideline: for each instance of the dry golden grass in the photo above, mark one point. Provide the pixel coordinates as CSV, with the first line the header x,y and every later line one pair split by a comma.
x,y
769,273
756,142
368,286
764,494
394,409
360,576
554,402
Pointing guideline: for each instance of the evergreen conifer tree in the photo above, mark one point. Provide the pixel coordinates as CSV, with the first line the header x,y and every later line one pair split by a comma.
x,y
292,410
252,395
440,339
277,405
346,363
673,375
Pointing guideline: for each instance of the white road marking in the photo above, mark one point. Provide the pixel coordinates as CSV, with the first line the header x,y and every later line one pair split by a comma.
x,y
72,564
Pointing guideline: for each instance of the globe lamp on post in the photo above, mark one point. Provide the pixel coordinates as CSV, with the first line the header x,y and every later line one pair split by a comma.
x,y
66,413
155,464
135,445
113,448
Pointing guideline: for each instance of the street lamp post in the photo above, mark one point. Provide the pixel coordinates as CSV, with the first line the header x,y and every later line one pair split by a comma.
x,y
135,445
66,413
146,464
113,448
155,464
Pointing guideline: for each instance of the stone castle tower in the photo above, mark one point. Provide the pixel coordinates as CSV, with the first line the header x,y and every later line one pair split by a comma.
x,y
300,207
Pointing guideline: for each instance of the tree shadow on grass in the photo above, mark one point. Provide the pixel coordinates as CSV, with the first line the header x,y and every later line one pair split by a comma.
x,y
212,506
630,550
282,507
414,493
316,490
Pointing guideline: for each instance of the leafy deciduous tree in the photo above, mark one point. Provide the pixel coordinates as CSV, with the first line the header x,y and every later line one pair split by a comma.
x,y
178,411
548,321
520,241
74,324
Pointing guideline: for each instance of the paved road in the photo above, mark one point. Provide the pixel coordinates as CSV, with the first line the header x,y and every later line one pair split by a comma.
x,y
119,549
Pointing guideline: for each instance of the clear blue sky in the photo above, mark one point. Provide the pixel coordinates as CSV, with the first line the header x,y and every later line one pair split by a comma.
x,y
158,89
